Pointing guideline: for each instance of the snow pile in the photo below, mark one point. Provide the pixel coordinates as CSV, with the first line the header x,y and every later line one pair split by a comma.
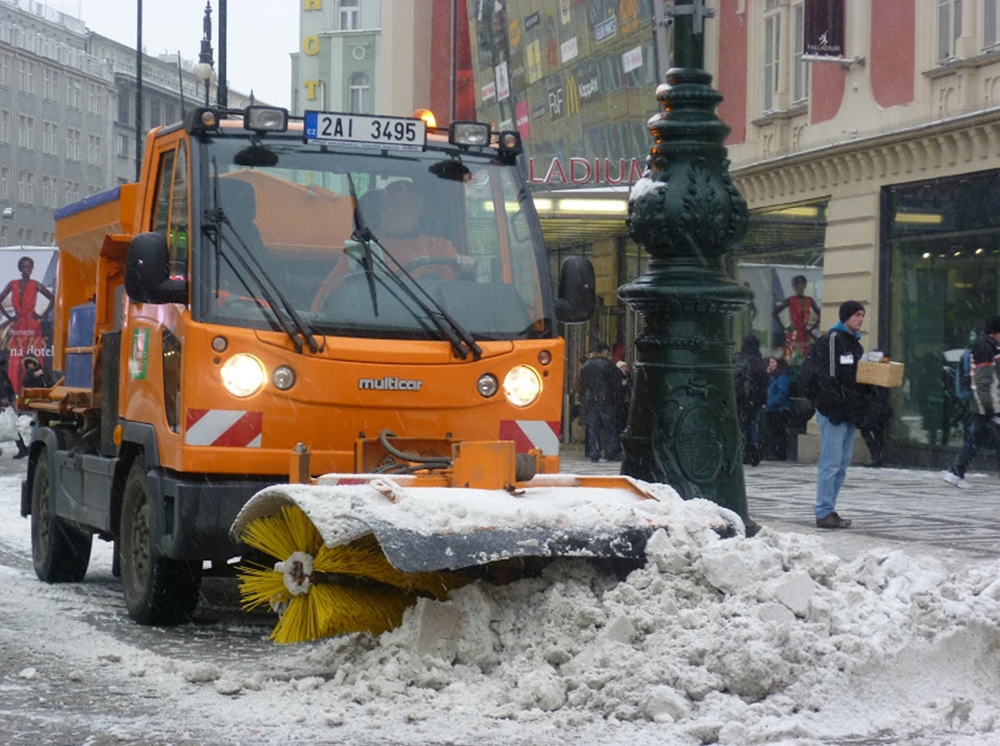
x,y
726,641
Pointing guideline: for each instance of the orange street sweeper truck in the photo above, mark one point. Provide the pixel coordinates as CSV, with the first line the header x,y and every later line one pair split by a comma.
x,y
361,297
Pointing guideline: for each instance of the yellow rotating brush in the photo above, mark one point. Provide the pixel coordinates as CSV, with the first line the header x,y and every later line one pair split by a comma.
x,y
322,591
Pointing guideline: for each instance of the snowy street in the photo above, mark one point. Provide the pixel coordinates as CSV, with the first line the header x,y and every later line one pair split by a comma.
x,y
794,637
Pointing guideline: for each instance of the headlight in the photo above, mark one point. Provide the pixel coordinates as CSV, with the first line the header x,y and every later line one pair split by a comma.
x,y
243,375
522,385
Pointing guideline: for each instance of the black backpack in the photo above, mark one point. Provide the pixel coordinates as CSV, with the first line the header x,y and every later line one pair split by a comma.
x,y
812,367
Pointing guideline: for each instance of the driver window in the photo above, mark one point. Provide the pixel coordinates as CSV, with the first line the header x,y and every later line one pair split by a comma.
x,y
171,211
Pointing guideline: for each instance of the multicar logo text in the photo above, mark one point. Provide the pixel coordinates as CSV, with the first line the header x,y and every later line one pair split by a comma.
x,y
389,383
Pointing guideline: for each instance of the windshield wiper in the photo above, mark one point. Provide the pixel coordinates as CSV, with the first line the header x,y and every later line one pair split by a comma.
x,y
248,266
363,235
461,340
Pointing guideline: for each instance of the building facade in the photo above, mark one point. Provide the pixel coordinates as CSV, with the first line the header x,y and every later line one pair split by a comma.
x,y
67,114
873,175
55,129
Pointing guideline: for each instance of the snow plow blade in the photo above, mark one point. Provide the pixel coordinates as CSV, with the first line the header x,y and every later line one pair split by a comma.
x,y
426,528
351,552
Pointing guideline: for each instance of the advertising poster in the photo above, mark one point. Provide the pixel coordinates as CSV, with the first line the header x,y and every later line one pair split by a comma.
x,y
27,301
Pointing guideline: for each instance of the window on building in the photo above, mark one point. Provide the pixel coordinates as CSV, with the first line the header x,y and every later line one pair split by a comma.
x,y
26,132
349,15
26,76
4,183
4,71
25,236
50,81
72,144
95,100
72,192
26,187
50,135
94,150
949,28
772,54
74,92
122,146
48,191
991,24
124,106
48,238
360,93
4,126
4,235
800,68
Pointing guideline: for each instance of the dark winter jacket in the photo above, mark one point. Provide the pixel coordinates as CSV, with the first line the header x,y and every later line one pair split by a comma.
x,y
840,398
985,382
750,376
600,384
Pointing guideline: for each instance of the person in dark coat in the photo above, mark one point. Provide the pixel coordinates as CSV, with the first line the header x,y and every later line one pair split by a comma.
x,y
875,425
984,407
600,393
750,377
778,408
841,405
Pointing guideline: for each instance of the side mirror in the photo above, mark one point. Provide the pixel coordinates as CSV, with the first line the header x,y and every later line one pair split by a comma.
x,y
147,272
577,294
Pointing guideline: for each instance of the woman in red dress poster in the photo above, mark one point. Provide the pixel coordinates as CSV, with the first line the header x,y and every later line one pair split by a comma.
x,y
803,315
25,334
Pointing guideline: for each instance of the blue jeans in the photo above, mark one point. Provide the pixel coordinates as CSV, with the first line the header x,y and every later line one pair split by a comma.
x,y
836,446
981,432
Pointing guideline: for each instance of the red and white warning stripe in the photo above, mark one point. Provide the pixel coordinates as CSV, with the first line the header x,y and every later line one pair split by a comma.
x,y
528,434
224,427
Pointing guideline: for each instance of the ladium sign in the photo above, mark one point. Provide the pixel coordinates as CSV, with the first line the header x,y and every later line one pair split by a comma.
x,y
583,171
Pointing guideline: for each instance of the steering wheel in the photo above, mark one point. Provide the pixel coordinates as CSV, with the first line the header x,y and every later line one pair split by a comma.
x,y
431,261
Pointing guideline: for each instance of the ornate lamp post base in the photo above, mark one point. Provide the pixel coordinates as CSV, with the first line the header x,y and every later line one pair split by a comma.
x,y
686,213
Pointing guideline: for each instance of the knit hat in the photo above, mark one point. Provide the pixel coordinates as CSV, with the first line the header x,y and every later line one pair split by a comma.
x,y
992,325
848,308
622,365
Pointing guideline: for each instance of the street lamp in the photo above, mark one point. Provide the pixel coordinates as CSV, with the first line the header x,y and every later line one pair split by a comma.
x,y
204,70
8,213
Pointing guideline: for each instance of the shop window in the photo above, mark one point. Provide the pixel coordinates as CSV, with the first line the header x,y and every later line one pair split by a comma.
x,y
780,259
940,280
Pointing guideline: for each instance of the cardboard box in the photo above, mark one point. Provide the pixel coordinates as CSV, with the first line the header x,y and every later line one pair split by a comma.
x,y
888,375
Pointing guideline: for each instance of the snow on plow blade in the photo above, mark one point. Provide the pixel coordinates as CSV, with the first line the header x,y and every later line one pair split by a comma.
x,y
428,528
355,551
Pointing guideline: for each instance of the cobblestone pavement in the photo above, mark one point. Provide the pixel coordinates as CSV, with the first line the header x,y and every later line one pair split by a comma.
x,y
898,508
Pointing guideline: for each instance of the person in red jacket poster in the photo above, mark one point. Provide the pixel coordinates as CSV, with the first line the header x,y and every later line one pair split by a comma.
x,y
25,334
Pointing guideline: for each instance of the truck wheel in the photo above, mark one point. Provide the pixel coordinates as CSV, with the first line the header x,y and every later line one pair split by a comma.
x,y
60,551
158,590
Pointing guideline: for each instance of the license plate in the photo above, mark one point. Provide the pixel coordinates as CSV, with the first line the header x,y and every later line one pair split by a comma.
x,y
358,129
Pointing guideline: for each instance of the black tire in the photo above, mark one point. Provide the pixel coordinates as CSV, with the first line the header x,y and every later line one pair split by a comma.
x,y
60,551
158,590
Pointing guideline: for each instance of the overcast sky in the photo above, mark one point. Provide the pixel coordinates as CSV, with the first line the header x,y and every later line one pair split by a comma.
x,y
261,35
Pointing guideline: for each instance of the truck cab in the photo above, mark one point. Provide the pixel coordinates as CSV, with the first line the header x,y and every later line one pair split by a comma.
x,y
273,288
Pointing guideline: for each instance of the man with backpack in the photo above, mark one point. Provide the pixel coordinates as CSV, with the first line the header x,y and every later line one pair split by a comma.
x,y
984,428
828,377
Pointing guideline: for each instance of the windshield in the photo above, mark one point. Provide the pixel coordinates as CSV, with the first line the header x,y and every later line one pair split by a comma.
x,y
372,243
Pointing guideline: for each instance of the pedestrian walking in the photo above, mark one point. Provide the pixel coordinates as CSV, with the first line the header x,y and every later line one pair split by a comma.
x,y
840,407
750,377
778,409
600,393
984,428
